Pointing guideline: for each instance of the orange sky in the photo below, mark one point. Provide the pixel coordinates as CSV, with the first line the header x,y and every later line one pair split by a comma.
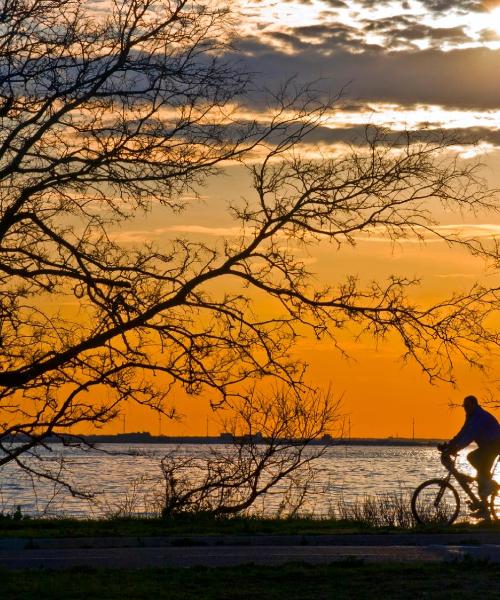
x,y
380,394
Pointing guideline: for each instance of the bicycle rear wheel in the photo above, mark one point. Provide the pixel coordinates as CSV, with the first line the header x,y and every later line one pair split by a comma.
x,y
435,501
495,504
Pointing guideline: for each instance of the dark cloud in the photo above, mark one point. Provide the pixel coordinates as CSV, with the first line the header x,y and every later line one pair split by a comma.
x,y
466,78
398,32
338,3
489,35
358,135
445,6
279,36
435,6
330,3
326,31
403,30
480,134
335,35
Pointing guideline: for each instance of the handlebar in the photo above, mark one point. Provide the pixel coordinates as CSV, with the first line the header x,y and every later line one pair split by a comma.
x,y
447,458
445,449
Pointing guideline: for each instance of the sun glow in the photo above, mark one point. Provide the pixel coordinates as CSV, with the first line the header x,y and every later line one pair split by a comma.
x,y
413,117
493,19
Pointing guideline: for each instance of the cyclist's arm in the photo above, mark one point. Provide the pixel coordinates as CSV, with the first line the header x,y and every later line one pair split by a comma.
x,y
463,438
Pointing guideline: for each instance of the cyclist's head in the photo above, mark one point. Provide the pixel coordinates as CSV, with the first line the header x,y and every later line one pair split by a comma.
x,y
470,403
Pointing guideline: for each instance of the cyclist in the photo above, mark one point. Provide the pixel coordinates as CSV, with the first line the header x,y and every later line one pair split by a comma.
x,y
482,428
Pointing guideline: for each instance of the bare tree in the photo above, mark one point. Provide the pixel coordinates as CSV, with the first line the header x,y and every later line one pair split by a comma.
x,y
104,115
275,440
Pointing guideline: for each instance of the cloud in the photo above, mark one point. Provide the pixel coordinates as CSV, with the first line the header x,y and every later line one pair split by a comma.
x,y
481,137
425,51
434,6
459,231
466,78
141,235
404,31
456,231
489,35
471,230
201,229
456,275
332,33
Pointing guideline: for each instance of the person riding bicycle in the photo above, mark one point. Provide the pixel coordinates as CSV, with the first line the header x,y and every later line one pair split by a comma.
x,y
482,428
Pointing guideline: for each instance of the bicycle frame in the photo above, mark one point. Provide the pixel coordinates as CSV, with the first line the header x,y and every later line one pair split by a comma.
x,y
462,479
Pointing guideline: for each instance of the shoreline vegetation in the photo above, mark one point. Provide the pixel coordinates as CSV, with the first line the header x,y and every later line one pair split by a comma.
x,y
20,526
383,512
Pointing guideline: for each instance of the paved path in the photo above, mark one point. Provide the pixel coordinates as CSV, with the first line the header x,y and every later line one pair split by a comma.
x,y
135,558
272,550
325,539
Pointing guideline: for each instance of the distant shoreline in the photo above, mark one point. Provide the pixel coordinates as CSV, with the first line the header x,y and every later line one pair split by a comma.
x,y
224,438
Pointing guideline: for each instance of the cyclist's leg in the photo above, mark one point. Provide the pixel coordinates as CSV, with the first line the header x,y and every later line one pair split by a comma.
x,y
477,459
474,458
482,460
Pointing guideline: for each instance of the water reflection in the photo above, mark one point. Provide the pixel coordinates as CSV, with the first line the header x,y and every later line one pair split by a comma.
x,y
132,481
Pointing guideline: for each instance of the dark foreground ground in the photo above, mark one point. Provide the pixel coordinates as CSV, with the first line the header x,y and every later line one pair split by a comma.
x,y
244,559
350,579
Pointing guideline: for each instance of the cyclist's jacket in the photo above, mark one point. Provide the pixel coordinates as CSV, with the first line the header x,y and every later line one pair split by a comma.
x,y
480,427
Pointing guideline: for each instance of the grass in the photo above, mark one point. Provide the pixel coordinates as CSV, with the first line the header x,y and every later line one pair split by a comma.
x,y
348,579
382,513
142,527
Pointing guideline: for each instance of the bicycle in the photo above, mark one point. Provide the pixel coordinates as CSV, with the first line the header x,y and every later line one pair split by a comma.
x,y
436,501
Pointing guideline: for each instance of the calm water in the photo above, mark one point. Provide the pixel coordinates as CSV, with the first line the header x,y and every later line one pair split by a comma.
x,y
131,482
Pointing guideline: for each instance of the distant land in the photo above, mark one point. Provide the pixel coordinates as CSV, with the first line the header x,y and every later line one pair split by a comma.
x,y
145,437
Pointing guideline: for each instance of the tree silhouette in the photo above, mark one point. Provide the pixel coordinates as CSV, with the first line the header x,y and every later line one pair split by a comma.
x,y
105,114
270,447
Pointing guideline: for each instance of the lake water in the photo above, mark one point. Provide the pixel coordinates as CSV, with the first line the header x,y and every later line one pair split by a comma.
x,y
130,482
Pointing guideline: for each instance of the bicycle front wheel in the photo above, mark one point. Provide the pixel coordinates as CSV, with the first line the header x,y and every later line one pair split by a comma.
x,y
435,502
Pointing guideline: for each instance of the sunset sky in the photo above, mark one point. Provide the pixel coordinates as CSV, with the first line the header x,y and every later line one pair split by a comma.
x,y
402,65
